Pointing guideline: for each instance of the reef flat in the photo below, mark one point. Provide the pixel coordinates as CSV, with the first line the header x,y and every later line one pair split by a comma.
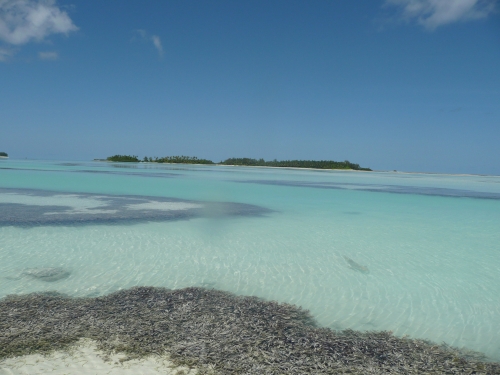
x,y
31,208
218,332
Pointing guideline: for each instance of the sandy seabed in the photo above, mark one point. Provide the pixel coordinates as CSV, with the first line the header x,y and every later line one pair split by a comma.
x,y
86,359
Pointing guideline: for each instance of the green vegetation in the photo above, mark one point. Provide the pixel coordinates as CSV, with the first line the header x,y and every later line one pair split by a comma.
x,y
180,160
125,158
165,159
321,164
3,154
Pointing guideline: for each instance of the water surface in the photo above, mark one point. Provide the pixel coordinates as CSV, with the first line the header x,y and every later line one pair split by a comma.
x,y
416,254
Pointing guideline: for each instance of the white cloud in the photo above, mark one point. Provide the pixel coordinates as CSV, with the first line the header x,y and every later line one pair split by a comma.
x,y
48,55
434,13
22,21
145,36
157,43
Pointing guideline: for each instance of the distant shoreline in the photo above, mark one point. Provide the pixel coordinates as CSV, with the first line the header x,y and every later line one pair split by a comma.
x,y
244,162
246,166
300,168
316,169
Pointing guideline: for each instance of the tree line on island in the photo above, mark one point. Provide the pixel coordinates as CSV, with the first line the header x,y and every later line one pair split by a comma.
x,y
165,159
317,164
3,154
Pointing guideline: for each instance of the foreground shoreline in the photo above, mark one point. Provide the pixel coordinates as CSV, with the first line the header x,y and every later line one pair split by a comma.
x,y
85,358
216,332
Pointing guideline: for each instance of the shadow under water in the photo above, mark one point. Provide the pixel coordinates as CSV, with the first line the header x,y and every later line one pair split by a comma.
x,y
218,332
47,274
356,266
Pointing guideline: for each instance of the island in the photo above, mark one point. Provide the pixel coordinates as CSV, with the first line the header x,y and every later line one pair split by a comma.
x,y
122,158
165,159
313,164
4,155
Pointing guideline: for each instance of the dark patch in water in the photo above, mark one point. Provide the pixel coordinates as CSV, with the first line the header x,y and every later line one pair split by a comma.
x,y
133,166
24,169
136,174
70,164
113,210
47,274
396,189
220,333
356,266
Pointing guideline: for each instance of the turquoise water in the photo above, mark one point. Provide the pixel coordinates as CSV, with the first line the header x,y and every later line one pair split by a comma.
x,y
424,249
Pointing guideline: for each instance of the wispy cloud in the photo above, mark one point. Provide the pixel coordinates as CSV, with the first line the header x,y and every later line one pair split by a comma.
x,y
157,42
144,35
48,55
23,21
5,54
434,13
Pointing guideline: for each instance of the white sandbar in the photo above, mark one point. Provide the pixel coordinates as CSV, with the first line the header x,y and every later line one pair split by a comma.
x,y
163,206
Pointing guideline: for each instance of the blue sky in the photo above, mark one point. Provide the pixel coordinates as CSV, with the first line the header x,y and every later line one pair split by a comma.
x,y
410,85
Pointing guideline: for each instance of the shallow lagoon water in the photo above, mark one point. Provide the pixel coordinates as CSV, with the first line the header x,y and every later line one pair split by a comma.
x,y
431,242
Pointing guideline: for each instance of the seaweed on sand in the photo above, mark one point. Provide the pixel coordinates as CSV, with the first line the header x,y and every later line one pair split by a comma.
x,y
216,331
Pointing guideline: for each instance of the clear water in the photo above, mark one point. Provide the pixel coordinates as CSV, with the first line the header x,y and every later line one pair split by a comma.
x,y
431,243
